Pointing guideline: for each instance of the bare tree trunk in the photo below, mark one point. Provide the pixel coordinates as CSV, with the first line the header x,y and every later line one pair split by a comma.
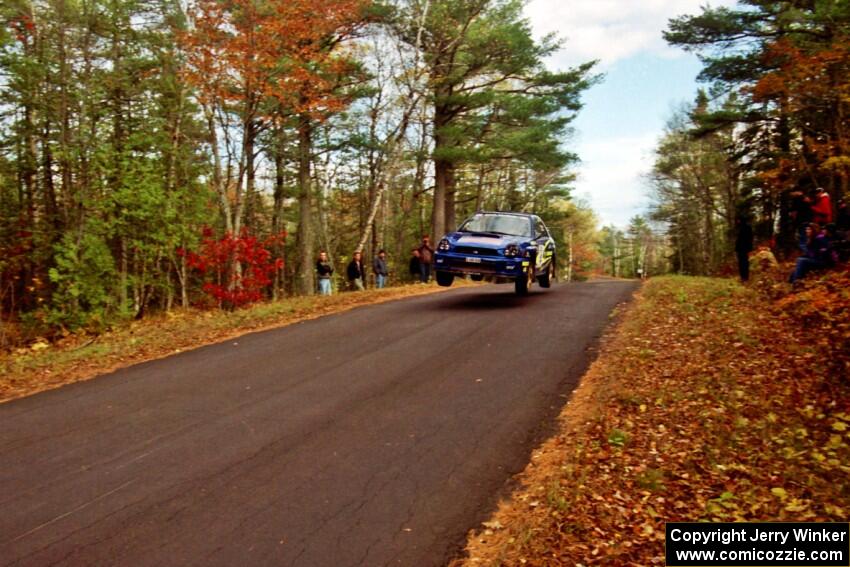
x,y
306,280
710,245
123,274
442,168
29,171
451,183
182,271
479,193
616,257
171,172
64,113
277,214
51,207
681,252
513,194
218,181
250,134
370,220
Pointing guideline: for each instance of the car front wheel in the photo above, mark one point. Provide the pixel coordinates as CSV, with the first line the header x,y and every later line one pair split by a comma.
x,y
445,279
522,283
545,280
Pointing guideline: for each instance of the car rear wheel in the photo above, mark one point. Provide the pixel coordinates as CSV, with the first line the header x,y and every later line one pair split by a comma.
x,y
445,279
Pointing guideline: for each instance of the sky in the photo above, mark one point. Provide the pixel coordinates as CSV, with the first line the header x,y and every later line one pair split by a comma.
x,y
624,116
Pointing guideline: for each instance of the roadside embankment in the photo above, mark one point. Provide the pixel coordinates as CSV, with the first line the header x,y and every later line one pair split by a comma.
x,y
709,401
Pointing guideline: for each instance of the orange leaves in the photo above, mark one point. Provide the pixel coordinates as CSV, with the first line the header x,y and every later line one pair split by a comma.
x,y
811,84
823,307
769,86
705,406
244,51
805,76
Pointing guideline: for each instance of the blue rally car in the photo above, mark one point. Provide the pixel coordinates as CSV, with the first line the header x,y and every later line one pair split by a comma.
x,y
498,246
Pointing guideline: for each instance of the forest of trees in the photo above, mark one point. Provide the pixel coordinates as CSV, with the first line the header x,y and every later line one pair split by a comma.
x,y
159,153
156,153
640,251
774,120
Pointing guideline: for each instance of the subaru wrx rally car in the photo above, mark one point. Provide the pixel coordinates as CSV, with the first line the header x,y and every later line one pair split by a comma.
x,y
498,246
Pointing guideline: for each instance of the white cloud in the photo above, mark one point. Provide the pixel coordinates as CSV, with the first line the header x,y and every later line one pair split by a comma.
x,y
614,159
614,162
611,175
609,30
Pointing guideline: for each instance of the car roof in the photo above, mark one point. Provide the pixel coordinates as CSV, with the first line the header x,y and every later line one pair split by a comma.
x,y
504,213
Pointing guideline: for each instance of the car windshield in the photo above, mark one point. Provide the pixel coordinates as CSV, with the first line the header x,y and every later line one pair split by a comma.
x,y
499,224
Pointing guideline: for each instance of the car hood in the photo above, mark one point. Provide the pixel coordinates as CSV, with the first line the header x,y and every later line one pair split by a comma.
x,y
484,239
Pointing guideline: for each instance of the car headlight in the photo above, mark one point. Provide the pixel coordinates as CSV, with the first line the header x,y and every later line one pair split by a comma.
x,y
512,251
444,245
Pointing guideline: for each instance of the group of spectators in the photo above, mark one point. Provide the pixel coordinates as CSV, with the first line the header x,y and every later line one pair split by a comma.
x,y
421,260
821,233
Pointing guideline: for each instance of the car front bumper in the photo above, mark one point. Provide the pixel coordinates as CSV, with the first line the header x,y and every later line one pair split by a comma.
x,y
465,264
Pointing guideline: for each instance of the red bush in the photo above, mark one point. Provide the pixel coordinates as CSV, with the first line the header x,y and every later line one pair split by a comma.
x,y
236,268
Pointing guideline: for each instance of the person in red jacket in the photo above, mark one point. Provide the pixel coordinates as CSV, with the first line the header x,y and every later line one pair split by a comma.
x,y
822,207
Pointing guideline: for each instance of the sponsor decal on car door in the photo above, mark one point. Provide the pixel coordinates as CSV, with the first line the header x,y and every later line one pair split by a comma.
x,y
545,247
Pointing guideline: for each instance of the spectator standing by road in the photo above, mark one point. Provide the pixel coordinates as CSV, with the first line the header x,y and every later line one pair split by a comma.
x,y
324,271
743,246
414,265
426,258
822,207
379,266
355,272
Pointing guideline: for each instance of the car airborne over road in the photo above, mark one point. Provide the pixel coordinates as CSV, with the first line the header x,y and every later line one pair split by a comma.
x,y
498,246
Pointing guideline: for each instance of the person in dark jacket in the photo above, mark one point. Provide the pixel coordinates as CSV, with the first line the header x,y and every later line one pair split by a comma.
x,y
801,215
355,272
743,246
426,258
818,253
839,247
414,264
379,266
324,271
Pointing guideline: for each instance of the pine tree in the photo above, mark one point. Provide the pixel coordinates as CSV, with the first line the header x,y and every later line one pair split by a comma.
x,y
477,52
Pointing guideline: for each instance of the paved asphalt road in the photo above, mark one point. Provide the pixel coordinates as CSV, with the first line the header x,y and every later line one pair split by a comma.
x,y
373,437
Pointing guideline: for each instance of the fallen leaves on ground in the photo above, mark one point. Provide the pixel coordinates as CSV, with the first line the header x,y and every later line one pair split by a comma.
x,y
43,366
709,402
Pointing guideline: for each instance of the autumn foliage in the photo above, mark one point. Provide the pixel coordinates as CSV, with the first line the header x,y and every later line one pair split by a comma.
x,y
822,306
217,257
711,403
281,49
812,83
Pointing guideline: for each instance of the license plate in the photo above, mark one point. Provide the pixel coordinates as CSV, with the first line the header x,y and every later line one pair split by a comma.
x,y
473,260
